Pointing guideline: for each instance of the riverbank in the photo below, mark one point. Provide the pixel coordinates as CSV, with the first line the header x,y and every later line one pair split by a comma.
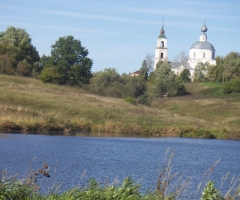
x,y
29,105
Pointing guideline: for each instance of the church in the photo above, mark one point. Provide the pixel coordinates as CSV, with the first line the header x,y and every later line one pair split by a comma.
x,y
201,51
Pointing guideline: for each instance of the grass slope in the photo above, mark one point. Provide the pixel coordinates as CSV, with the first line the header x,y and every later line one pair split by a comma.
x,y
29,105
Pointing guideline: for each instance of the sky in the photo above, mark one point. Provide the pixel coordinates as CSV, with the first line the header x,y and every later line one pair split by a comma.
x,y
121,33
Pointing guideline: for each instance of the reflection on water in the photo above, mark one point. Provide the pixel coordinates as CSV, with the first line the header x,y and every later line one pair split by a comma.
x,y
103,155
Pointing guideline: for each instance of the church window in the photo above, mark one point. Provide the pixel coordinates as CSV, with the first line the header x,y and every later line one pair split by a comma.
x,y
162,44
161,55
203,55
194,54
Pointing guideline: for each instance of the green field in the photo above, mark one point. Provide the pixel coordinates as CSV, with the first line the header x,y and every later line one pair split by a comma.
x,y
29,105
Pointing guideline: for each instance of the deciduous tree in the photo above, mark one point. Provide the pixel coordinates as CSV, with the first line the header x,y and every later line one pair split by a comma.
x,y
144,71
17,55
200,72
166,82
70,62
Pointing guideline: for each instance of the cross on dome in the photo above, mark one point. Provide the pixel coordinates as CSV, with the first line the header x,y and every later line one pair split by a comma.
x,y
204,28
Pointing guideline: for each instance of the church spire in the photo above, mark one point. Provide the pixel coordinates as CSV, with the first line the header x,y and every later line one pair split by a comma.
x,y
162,35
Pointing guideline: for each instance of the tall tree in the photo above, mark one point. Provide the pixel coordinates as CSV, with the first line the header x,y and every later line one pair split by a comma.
x,y
185,76
69,61
200,73
149,62
17,55
166,82
231,66
181,57
144,71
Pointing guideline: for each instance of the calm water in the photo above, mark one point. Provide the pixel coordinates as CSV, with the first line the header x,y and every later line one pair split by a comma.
x,y
118,157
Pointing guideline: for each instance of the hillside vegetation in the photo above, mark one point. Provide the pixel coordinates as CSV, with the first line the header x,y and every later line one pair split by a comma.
x,y
29,105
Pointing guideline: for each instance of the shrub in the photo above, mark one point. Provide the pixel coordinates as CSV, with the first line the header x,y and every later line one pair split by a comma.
x,y
130,100
144,99
233,86
211,193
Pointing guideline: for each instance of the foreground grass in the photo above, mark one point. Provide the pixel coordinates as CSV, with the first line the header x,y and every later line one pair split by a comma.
x,y
29,105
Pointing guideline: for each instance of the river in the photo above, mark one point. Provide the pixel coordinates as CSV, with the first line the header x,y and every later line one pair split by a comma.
x,y
108,158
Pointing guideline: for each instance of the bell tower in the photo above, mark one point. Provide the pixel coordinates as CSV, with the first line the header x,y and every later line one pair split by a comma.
x,y
161,51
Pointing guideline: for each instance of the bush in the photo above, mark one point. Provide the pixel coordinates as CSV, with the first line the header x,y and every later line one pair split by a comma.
x,y
233,86
49,75
130,100
144,99
211,193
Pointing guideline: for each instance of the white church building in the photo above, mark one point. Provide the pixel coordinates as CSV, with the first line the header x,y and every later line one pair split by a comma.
x,y
201,51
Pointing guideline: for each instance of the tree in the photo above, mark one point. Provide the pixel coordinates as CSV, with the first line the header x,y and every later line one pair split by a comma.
x,y
226,68
149,62
231,65
144,71
166,82
185,76
17,55
233,86
216,72
182,58
200,72
110,83
69,61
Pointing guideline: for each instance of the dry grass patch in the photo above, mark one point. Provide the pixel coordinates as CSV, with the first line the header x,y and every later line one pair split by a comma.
x,y
27,104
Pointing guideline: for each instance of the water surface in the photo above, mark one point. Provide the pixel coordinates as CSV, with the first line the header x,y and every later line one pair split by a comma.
x,y
141,158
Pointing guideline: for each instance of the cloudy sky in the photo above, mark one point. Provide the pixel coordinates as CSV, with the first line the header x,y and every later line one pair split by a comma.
x,y
120,33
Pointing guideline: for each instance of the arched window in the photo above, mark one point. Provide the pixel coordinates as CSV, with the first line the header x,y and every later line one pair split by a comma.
x,y
194,54
162,44
161,55
203,55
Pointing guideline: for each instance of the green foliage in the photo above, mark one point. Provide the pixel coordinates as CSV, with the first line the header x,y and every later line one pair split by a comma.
x,y
226,68
70,62
144,71
17,55
233,86
231,66
15,190
130,100
198,133
49,75
144,99
200,73
185,76
211,193
110,83
166,82
215,73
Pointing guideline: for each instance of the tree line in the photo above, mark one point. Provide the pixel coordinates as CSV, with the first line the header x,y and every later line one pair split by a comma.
x,y
226,70
69,64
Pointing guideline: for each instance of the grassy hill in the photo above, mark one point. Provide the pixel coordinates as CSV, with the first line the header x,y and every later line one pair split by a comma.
x,y
29,105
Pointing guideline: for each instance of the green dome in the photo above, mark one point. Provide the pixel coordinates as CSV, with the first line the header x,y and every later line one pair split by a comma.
x,y
162,35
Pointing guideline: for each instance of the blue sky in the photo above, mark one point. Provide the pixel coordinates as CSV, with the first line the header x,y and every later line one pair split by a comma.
x,y
120,33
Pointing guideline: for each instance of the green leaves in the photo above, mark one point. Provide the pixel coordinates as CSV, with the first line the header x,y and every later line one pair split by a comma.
x,y
68,63
17,55
184,76
166,82
211,193
200,73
